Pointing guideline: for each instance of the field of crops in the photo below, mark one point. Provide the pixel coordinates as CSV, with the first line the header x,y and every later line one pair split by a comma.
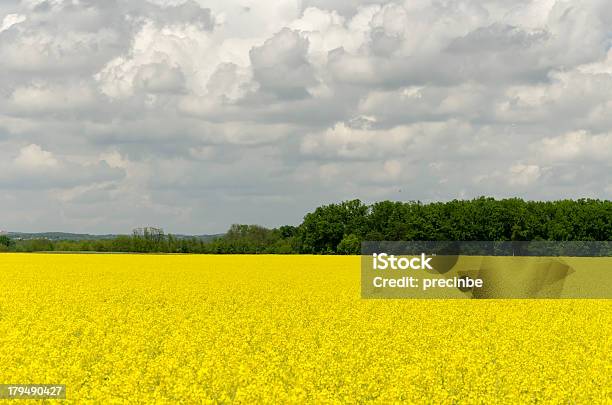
x,y
283,329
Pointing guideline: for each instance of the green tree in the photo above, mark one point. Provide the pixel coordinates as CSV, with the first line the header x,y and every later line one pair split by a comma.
x,y
349,245
323,229
5,243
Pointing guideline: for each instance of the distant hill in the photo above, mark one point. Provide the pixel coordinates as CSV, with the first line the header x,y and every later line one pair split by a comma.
x,y
205,238
58,236
86,236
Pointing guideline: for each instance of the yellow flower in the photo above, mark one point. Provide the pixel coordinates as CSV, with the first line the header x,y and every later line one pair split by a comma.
x,y
284,329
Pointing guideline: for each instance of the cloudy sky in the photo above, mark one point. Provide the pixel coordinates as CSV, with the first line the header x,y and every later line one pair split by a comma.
x,y
193,115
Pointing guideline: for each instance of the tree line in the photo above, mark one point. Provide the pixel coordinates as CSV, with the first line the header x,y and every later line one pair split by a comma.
x,y
340,228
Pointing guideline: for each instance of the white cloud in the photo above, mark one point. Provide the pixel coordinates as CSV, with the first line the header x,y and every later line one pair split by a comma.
x,y
159,78
10,20
392,168
207,113
49,98
576,146
524,175
281,66
34,157
184,53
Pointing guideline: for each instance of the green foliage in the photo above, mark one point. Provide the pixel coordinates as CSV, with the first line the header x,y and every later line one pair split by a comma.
x,y
479,219
248,239
324,229
34,245
5,241
340,228
349,245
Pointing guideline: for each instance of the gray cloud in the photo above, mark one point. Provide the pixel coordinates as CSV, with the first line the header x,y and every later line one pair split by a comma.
x,y
193,115
281,66
159,78
34,168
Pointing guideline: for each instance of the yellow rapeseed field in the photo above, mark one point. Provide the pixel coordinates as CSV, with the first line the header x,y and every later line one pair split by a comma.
x,y
284,329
